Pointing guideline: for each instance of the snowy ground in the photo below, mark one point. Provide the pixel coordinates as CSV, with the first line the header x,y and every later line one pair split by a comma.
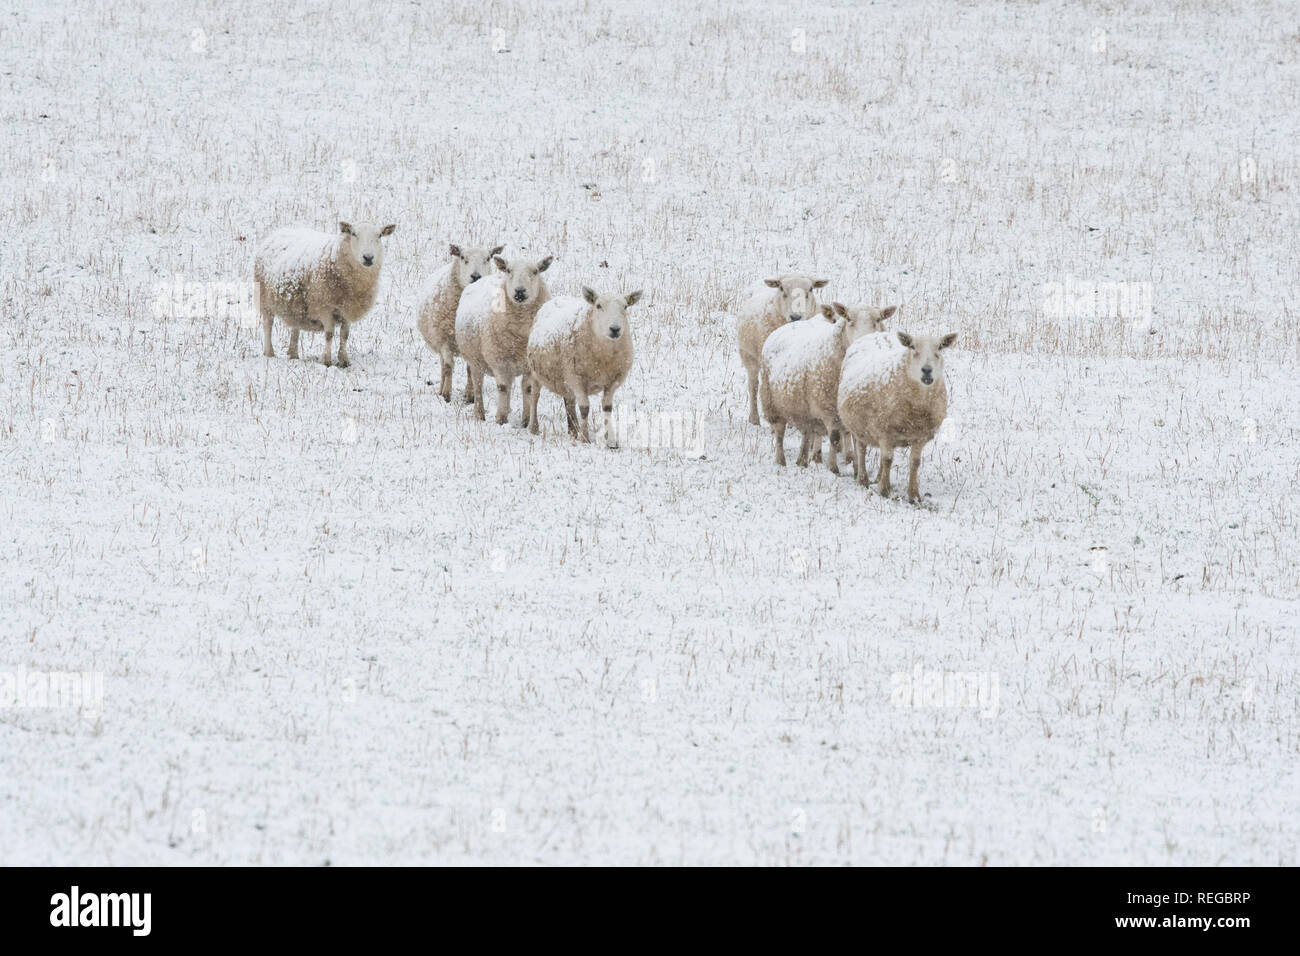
x,y
337,620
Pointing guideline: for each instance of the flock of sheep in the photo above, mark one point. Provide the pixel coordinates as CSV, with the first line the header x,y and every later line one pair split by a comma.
x,y
827,370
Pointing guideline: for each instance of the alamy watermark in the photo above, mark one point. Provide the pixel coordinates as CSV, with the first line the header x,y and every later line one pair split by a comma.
x,y
53,690
680,430
923,689
180,299
1077,298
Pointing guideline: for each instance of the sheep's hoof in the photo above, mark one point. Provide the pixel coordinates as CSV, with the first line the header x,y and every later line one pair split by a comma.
x,y
753,419
268,353
343,363
293,356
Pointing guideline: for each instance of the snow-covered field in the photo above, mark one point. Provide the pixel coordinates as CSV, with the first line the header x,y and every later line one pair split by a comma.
x,y
334,619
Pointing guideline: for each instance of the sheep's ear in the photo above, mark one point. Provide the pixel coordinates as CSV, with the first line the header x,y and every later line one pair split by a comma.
x,y
389,229
772,283
887,312
818,283
589,294
455,250
501,263
632,298
545,263
496,251
947,340
905,339
345,228
840,309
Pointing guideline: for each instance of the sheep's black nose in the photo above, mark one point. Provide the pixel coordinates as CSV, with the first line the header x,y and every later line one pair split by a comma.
x,y
614,333
368,260
475,276
520,295
796,316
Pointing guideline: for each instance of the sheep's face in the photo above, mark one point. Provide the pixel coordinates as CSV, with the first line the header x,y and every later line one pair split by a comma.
x,y
362,243
472,264
861,321
608,313
795,298
523,279
925,356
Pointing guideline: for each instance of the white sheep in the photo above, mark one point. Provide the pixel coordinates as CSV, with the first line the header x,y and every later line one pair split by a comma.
x,y
801,375
493,321
438,303
580,346
766,307
317,281
893,393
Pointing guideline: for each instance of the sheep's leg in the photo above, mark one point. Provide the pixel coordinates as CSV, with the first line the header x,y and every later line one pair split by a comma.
x,y
815,443
534,396
913,467
571,415
804,443
833,459
607,412
886,462
503,399
344,359
584,409
445,361
469,385
753,392
327,323
476,390
860,462
778,430
268,319
527,384
293,342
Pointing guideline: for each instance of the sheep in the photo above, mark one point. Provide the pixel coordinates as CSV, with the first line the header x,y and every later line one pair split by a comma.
x,y
768,305
801,374
317,281
493,321
877,318
891,396
437,321
580,346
